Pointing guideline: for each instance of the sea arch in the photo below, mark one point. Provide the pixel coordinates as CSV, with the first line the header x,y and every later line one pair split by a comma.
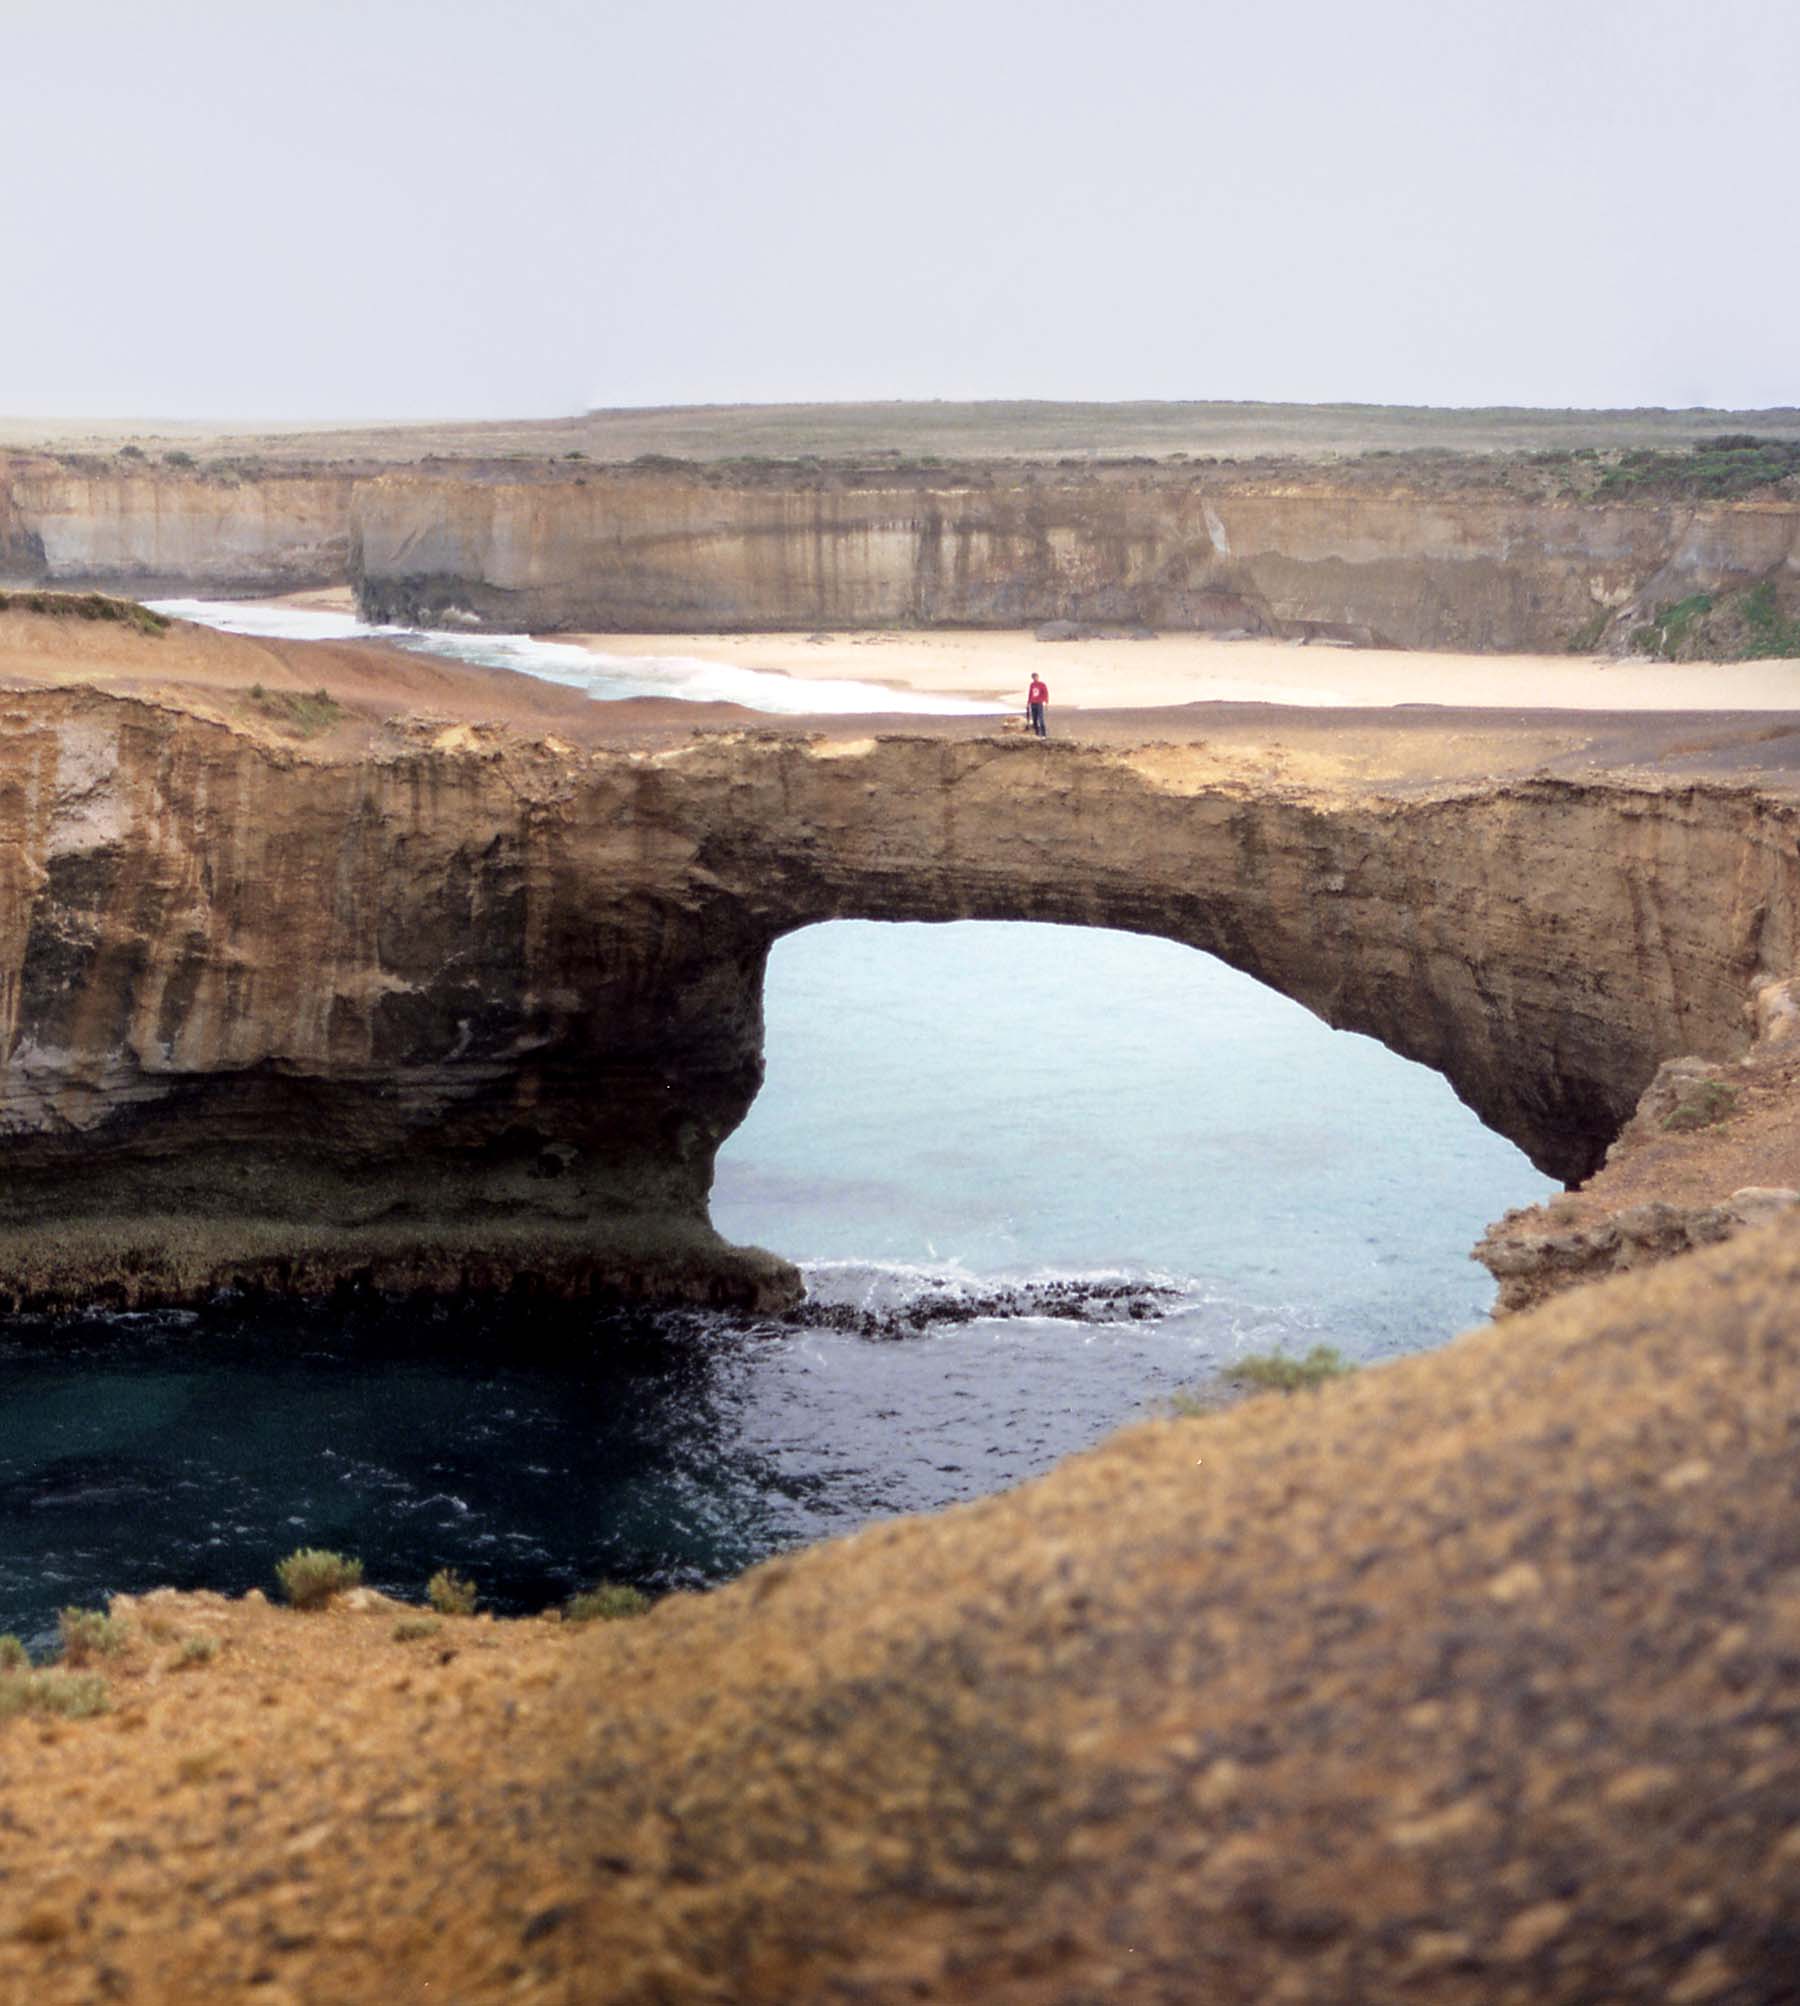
x,y
470,1014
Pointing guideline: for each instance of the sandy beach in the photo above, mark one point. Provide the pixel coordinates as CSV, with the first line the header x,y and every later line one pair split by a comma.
x,y
991,666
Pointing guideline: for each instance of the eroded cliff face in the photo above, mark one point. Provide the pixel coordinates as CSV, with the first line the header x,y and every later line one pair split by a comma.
x,y
468,1011
156,528
636,552
1296,552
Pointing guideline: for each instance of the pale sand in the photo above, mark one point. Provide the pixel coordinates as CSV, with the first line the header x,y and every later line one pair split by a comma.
x,y
1192,668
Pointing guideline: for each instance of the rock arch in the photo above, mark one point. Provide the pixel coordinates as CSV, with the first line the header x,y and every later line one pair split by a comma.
x,y
477,1014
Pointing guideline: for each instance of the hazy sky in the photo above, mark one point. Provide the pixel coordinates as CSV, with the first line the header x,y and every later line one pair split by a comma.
x,y
455,208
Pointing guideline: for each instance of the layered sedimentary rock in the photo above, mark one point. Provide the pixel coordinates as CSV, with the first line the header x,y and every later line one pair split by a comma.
x,y
175,530
467,1011
1299,558
1288,551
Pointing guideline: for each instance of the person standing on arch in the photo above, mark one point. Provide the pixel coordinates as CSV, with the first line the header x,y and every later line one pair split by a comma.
x,y
1035,699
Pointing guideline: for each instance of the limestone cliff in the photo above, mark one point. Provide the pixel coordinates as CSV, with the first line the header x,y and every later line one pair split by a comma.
x,y
1294,554
172,529
463,1009
1486,560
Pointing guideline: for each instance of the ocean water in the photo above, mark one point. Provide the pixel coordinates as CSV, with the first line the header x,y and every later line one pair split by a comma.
x,y
950,1113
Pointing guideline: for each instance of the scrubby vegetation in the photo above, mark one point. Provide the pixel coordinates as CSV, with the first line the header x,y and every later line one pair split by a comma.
x,y
1272,1372
451,1594
1266,1372
302,713
414,1629
86,606
310,1576
196,1651
1717,469
1710,1103
1746,626
607,1602
13,1655
75,1695
89,1633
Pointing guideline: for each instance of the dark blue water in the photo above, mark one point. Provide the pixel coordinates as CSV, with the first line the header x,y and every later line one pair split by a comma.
x,y
948,1110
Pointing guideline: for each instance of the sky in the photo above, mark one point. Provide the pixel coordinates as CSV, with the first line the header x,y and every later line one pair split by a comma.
x,y
462,208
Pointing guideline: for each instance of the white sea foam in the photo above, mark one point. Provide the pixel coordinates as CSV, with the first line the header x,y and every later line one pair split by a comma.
x,y
589,669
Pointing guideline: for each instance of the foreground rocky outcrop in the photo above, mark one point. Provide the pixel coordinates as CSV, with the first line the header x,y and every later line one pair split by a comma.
x,y
1480,555
1468,1679
436,1006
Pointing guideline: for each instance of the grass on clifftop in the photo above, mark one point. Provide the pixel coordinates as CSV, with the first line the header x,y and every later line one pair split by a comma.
x,y
86,606
299,713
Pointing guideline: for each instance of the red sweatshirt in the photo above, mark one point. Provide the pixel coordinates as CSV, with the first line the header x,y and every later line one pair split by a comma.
x,y
1037,692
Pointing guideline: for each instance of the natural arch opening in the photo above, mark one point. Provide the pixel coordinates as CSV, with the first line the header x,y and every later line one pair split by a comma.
x,y
1005,1099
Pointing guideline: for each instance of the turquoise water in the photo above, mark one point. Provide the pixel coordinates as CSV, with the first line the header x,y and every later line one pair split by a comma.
x,y
1008,1100
948,1111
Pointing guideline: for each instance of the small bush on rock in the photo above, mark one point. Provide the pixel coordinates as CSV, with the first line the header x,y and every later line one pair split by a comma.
x,y
1710,1102
310,1576
196,1651
89,1633
607,1602
451,1594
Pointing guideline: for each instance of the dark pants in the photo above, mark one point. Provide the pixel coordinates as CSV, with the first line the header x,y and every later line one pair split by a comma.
x,y
1035,711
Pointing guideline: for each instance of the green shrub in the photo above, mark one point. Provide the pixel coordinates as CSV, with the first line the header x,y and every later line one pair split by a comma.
x,y
310,1576
1270,1372
196,1651
13,1655
1712,1101
607,1602
75,1695
178,459
1713,470
410,1629
450,1594
89,1633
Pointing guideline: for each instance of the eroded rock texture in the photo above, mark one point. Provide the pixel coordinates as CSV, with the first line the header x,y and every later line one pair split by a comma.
x,y
1281,550
466,1011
